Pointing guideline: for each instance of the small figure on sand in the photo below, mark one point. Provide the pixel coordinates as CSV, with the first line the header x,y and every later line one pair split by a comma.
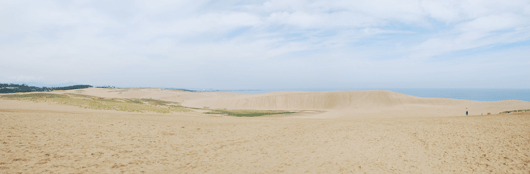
x,y
466,111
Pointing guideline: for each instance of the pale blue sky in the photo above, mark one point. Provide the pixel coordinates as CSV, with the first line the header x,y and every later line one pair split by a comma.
x,y
267,44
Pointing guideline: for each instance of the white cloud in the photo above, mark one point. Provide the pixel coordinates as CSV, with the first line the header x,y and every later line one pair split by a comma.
x,y
89,38
494,22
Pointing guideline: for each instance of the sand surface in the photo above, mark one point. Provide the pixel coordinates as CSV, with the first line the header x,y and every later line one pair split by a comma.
x,y
358,104
51,138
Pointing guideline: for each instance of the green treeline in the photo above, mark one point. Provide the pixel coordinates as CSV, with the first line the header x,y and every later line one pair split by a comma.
x,y
13,88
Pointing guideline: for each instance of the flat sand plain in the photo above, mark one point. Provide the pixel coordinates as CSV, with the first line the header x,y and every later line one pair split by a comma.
x,y
50,138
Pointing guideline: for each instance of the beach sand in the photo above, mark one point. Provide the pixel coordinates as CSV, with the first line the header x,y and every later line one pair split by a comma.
x,y
52,138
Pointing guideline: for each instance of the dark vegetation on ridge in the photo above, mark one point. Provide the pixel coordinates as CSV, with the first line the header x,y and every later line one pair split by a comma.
x,y
515,111
246,113
13,88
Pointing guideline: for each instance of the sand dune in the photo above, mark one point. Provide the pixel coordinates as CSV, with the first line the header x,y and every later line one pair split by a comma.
x,y
334,132
162,94
49,138
326,104
358,104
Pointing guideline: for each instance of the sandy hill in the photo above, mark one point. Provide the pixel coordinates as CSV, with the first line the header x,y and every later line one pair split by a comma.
x,y
358,104
154,93
47,137
319,104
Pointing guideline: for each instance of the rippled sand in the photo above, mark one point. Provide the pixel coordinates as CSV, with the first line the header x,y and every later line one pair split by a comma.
x,y
44,138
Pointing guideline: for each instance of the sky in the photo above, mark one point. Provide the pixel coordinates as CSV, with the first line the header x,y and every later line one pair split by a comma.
x,y
253,44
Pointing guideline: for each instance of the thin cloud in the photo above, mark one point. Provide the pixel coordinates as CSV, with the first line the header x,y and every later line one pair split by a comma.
x,y
91,39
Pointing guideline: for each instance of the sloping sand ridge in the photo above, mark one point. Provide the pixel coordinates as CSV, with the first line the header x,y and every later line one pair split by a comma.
x,y
359,104
331,104
52,138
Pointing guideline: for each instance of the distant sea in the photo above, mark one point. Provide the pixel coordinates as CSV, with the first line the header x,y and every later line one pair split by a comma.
x,y
464,94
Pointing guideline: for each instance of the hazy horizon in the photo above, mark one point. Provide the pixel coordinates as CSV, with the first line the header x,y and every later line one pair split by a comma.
x,y
43,84
267,44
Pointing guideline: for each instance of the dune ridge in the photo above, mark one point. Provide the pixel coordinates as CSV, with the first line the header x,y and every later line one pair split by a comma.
x,y
55,138
329,104
316,100
51,138
358,103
